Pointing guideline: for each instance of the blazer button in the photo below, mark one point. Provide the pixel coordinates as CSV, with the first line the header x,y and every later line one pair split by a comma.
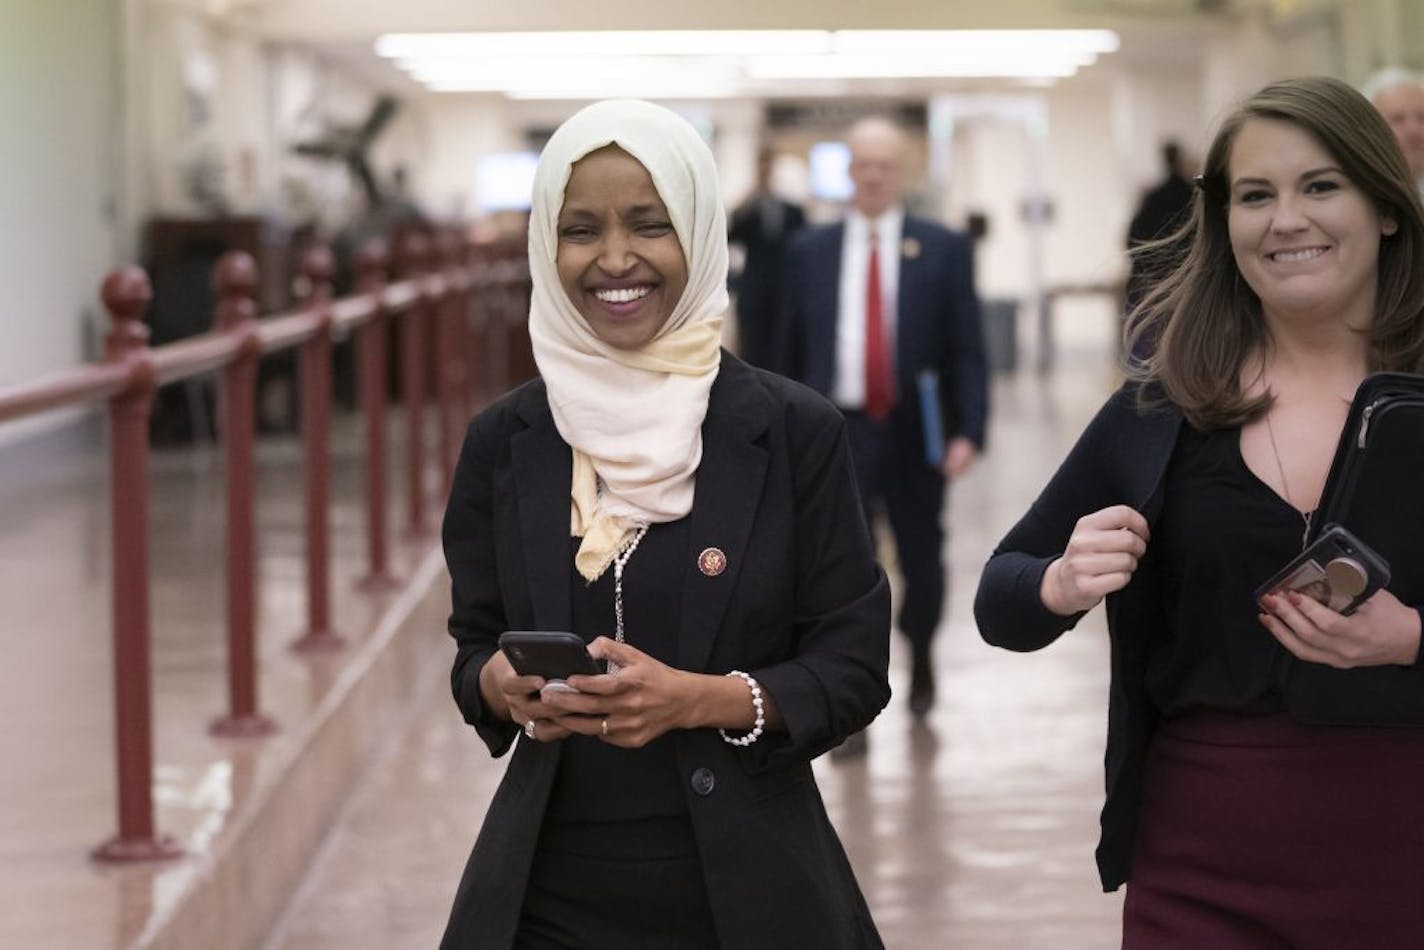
x,y
703,781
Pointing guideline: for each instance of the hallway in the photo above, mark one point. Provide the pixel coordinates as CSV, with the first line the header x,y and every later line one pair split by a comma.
x,y
974,830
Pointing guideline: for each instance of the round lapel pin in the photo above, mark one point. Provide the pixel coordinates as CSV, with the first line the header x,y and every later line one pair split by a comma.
x,y
711,561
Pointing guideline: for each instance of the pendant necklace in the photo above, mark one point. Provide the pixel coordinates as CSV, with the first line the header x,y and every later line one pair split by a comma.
x,y
619,561
1285,485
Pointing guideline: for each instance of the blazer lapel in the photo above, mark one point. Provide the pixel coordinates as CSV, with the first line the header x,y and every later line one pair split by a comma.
x,y
543,471
729,484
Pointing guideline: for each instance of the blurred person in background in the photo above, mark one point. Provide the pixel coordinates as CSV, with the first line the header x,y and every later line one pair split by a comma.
x,y
880,315
1164,208
763,226
1398,94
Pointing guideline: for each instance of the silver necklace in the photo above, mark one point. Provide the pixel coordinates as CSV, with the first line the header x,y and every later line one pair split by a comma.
x,y
1285,485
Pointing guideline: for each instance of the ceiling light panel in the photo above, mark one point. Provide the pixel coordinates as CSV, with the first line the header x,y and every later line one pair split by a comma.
x,y
679,63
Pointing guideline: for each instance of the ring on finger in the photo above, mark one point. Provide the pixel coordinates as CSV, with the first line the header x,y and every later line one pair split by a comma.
x,y
605,725
529,729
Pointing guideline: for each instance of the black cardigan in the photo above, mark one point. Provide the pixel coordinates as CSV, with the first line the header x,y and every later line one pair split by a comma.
x,y
801,605
1122,458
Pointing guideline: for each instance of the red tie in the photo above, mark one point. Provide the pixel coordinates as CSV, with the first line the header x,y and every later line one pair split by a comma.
x,y
879,390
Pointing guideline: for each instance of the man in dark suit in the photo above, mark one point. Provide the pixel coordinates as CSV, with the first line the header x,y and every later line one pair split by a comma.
x,y
763,225
880,315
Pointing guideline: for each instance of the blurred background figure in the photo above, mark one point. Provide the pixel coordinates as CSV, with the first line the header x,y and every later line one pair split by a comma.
x,y
1398,94
1163,209
882,317
762,225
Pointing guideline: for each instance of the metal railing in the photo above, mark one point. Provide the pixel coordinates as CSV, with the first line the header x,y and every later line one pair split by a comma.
x,y
457,310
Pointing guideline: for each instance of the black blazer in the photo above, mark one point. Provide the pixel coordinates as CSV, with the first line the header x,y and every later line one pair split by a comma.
x,y
802,606
938,323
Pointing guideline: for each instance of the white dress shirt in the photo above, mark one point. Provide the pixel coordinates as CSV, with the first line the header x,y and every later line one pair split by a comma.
x,y
849,389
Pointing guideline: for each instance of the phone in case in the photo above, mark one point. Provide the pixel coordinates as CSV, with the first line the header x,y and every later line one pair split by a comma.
x,y
1337,569
554,655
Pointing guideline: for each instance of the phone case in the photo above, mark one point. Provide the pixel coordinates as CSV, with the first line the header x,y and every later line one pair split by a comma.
x,y
1337,569
1373,491
554,655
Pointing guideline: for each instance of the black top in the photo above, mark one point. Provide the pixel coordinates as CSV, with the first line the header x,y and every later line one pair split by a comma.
x,y
605,796
1222,532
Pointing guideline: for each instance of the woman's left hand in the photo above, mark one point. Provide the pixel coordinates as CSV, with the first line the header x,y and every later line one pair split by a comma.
x,y
1381,632
628,708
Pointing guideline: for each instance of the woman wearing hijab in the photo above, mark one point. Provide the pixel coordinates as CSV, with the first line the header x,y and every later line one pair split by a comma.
x,y
695,521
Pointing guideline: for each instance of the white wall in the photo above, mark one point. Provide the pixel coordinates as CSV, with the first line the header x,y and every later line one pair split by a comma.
x,y
58,174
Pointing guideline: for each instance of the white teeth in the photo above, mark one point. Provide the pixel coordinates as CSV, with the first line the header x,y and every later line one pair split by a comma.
x,y
623,295
1301,255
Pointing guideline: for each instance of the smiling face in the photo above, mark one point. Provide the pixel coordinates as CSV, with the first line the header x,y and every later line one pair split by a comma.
x,y
618,258
1305,238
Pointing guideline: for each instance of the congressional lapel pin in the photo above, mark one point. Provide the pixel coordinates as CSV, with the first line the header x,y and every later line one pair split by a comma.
x,y
711,561
910,248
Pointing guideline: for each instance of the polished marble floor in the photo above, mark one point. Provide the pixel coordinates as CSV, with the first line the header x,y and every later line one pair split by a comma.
x,y
973,830
56,685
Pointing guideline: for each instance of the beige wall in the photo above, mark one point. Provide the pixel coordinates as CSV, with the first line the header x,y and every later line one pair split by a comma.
x,y
58,176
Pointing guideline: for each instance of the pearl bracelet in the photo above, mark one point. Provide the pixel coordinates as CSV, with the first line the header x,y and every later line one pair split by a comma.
x,y
755,734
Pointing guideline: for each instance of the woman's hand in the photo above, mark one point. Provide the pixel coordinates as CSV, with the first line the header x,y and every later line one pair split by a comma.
x,y
628,708
518,698
1101,555
1381,632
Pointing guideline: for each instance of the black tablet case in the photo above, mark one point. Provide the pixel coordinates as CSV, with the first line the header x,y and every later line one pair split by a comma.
x,y
1376,489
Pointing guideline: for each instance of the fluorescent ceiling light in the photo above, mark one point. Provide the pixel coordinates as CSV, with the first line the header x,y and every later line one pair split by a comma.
x,y
659,91
495,74
913,67
604,43
726,62
956,41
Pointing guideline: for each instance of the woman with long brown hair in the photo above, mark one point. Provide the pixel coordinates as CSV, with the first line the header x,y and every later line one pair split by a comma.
x,y
1238,814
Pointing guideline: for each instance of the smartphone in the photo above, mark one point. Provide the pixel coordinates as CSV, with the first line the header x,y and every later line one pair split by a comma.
x,y
554,655
1337,569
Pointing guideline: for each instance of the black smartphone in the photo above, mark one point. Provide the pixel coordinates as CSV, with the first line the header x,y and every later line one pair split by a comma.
x,y
1337,569
554,655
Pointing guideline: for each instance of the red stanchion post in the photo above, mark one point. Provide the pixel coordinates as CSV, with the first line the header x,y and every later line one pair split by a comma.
x,y
471,378
447,357
126,296
371,265
235,279
415,253
319,267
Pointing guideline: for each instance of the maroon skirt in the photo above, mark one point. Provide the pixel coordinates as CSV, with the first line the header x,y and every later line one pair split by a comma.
x,y
1260,832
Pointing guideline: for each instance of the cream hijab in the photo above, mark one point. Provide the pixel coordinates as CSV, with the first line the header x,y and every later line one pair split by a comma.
x,y
632,417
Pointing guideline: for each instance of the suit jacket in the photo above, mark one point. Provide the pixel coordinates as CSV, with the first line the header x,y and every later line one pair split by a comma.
x,y
801,605
938,323
759,285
